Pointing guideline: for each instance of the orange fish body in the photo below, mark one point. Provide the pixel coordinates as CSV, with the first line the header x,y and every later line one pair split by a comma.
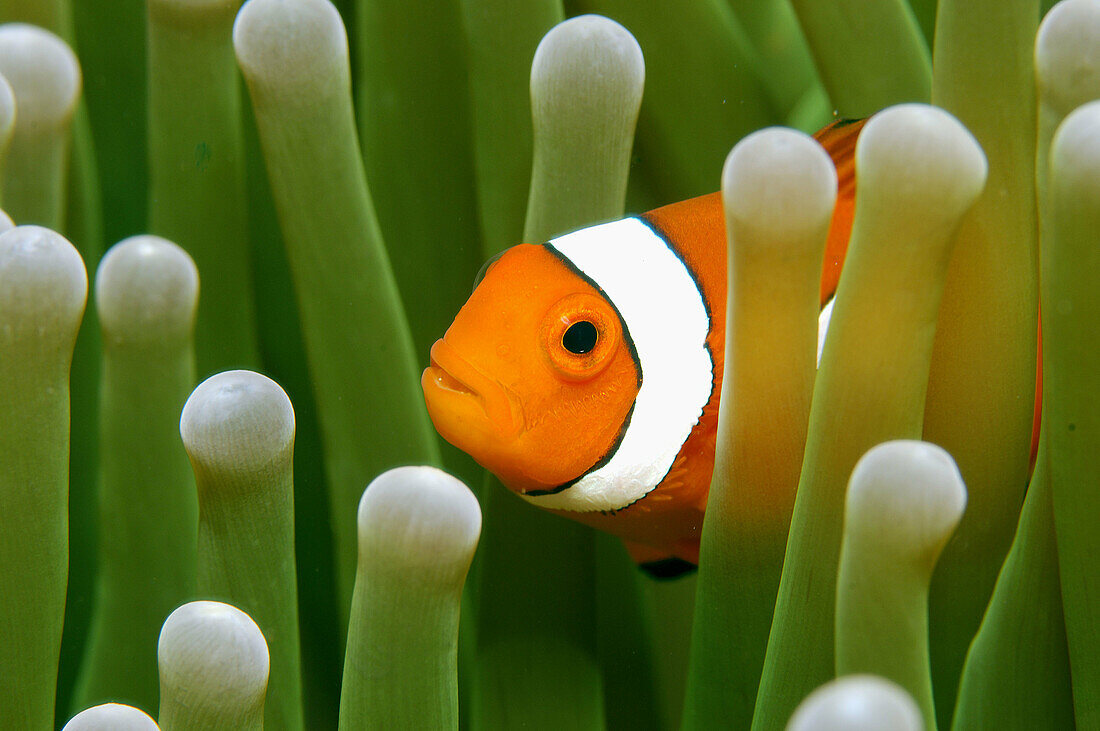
x,y
585,372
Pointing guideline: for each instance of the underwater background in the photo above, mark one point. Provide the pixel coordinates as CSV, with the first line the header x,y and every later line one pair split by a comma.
x,y
338,174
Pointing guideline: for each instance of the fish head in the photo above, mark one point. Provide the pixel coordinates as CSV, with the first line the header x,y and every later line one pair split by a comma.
x,y
536,376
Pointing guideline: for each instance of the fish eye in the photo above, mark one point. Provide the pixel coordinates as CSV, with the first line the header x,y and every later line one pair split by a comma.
x,y
580,337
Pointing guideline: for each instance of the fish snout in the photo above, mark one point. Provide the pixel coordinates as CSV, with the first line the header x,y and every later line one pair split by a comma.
x,y
468,406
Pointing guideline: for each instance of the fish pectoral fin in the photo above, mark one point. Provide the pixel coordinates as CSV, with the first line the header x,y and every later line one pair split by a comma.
x,y
658,563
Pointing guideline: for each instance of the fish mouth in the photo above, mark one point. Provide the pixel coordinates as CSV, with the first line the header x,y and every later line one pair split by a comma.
x,y
445,380
464,403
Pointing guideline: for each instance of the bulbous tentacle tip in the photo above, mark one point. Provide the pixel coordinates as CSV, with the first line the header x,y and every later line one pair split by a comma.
x,y
111,717
44,75
213,654
1067,55
923,157
857,703
603,50
779,180
43,284
146,290
288,44
587,78
418,517
913,487
1075,151
237,422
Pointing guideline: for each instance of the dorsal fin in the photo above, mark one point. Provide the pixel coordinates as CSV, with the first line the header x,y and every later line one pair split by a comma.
x,y
839,140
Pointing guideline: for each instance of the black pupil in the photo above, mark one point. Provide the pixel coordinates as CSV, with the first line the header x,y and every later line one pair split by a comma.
x,y
580,337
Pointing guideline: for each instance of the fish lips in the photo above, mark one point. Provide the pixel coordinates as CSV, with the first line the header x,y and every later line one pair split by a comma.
x,y
469,409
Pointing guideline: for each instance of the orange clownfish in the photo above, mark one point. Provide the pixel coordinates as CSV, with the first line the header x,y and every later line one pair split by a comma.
x,y
585,372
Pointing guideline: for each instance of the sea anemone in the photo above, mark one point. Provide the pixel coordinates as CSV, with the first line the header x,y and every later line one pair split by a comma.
x,y
311,204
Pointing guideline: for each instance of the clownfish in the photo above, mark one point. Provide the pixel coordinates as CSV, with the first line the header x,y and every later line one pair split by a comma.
x,y
585,372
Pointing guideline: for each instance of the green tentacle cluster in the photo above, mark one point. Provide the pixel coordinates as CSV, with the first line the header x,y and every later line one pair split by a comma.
x,y
307,189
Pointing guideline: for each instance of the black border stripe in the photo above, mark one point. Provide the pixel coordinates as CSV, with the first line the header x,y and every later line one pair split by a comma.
x,y
634,354
659,233
664,237
627,339
629,342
